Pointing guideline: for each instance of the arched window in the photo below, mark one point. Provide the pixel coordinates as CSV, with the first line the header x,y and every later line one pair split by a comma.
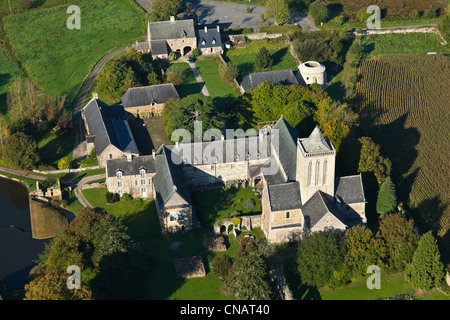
x,y
325,163
317,173
309,173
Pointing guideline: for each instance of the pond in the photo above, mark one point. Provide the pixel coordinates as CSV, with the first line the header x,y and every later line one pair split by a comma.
x,y
18,249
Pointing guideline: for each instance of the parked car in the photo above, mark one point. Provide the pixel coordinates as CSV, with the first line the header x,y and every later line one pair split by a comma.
x,y
201,22
190,59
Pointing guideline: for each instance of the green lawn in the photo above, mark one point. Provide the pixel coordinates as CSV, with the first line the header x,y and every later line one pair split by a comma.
x,y
189,85
218,89
59,59
8,72
244,58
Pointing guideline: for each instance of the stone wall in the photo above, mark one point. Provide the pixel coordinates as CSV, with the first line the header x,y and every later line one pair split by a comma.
x,y
132,184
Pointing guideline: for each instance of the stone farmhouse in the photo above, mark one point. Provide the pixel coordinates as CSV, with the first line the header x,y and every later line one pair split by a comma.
x,y
179,36
107,131
300,196
277,77
148,99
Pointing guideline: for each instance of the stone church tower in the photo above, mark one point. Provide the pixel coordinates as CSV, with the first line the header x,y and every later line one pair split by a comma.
x,y
315,165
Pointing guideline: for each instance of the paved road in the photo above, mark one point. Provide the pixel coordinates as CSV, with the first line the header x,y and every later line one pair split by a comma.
x,y
22,174
80,150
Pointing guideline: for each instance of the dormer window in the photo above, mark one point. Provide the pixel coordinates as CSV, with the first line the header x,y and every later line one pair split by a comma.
x,y
119,175
214,41
142,172
203,42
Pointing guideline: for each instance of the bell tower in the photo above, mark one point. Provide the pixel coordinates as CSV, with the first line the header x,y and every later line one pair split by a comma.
x,y
316,159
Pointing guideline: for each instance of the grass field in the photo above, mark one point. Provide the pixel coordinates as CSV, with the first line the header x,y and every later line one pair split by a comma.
x,y
59,58
244,57
8,72
402,101
46,221
189,85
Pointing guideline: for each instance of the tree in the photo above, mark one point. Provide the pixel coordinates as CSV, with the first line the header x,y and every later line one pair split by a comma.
x,y
318,256
64,163
247,279
263,59
222,265
88,222
228,71
362,251
162,10
20,151
24,102
184,113
430,13
426,269
400,237
371,160
53,106
174,76
111,238
278,11
64,123
52,286
387,200
318,11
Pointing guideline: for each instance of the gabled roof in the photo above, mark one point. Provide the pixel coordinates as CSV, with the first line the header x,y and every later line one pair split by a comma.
x,y
105,128
159,47
130,168
317,207
144,96
349,189
165,30
277,77
287,150
210,38
316,142
168,179
284,196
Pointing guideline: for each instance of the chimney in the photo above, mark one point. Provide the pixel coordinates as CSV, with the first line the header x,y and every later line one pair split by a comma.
x,y
129,156
172,18
206,29
218,29
154,154
95,95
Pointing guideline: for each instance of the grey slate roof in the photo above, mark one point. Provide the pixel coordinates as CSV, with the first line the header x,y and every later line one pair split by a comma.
x,y
349,189
105,128
144,96
177,29
159,47
231,150
287,152
256,170
168,179
130,168
316,142
277,77
316,208
141,46
208,39
285,196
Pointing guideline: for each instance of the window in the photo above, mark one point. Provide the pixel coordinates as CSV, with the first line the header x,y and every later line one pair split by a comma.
x,y
309,173
181,215
143,192
119,184
142,172
119,174
120,193
324,172
173,216
288,215
142,182
317,173
136,183
149,181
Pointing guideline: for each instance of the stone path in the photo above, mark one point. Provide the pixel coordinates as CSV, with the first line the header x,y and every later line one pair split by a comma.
x,y
77,187
199,79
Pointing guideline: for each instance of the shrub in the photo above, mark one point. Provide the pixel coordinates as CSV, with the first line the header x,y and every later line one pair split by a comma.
x,y
64,163
126,197
318,12
263,59
228,71
111,197
222,265
174,76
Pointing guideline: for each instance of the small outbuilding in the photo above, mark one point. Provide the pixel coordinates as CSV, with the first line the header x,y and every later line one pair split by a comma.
x,y
311,72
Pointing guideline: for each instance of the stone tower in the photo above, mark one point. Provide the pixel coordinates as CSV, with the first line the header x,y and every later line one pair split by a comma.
x,y
316,158
311,72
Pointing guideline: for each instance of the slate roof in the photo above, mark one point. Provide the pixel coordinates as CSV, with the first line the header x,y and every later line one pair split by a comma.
x,y
159,47
144,96
256,170
231,150
130,168
208,39
168,178
106,129
141,46
317,207
277,77
349,189
284,196
316,142
177,29
287,150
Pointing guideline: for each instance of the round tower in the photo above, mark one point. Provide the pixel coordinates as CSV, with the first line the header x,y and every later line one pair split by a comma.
x,y
311,72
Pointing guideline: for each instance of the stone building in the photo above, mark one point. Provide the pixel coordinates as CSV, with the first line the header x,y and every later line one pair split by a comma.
x,y
300,193
148,99
276,77
209,41
107,131
311,72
